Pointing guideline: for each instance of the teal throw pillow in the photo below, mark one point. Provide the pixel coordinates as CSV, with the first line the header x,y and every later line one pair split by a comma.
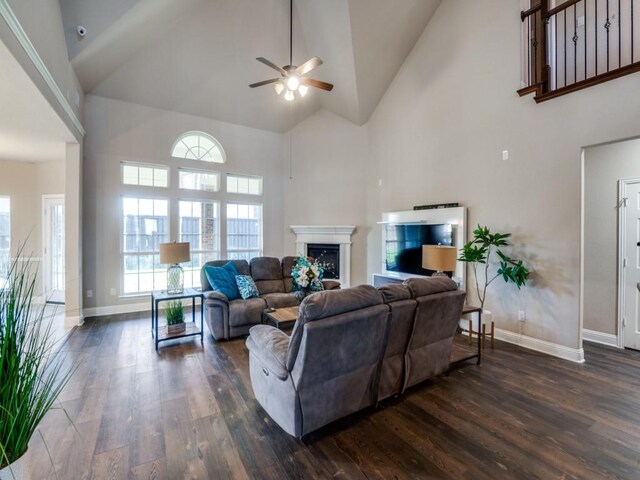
x,y
247,287
223,279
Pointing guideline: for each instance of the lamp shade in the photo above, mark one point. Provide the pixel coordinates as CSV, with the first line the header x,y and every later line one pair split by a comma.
x,y
172,253
439,258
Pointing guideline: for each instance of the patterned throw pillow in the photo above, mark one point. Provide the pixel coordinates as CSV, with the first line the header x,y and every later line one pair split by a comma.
x,y
247,287
223,279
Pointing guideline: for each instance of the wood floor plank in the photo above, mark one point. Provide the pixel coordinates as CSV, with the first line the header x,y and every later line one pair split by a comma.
x,y
188,411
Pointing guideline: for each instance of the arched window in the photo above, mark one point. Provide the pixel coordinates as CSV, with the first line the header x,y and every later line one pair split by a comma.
x,y
198,146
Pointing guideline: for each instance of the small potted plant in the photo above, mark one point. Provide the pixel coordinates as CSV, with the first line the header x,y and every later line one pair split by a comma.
x,y
33,371
174,311
478,252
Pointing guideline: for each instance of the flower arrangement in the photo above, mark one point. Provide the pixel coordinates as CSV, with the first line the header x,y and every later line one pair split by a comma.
x,y
307,277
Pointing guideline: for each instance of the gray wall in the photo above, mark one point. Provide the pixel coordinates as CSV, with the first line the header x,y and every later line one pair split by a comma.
x,y
119,131
25,183
604,166
42,21
324,184
437,136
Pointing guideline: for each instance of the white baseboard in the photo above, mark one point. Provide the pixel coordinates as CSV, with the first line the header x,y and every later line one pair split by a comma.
x,y
73,321
117,309
599,337
553,349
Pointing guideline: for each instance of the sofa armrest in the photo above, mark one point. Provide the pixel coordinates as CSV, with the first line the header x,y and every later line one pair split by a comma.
x,y
331,284
212,296
270,346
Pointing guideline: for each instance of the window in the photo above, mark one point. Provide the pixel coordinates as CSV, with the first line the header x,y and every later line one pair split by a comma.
x,y
199,180
5,237
145,225
244,231
198,146
145,175
246,184
200,226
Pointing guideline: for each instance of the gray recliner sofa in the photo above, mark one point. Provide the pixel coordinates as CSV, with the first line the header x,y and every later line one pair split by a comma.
x,y
232,318
351,348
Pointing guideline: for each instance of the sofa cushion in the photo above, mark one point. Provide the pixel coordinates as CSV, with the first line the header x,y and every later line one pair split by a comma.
x,y
281,300
287,265
223,280
428,286
241,265
329,303
266,268
246,312
394,292
247,287
267,273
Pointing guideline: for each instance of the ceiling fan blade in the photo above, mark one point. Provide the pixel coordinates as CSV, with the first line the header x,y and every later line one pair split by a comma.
x,y
317,84
266,82
309,65
271,64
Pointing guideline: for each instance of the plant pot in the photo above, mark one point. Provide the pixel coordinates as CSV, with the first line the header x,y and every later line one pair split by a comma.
x,y
18,470
177,328
487,317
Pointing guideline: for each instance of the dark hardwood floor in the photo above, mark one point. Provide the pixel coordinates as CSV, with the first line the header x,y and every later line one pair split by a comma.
x,y
188,411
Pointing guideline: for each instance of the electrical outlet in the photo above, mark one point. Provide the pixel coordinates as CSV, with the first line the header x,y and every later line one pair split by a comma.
x,y
521,315
581,21
113,292
505,155
89,293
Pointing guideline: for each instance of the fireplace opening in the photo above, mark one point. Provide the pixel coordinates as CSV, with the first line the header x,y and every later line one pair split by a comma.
x,y
328,256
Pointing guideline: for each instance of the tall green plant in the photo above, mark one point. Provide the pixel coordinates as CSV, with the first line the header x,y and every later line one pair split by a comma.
x,y
478,252
32,372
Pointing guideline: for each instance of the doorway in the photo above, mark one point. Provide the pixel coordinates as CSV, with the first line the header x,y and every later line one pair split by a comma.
x,y
629,262
610,253
53,246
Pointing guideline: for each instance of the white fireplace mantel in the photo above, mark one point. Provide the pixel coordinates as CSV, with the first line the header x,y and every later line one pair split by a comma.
x,y
330,234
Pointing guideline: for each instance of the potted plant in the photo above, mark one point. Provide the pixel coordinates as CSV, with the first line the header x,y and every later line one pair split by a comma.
x,y
307,277
174,311
479,252
32,370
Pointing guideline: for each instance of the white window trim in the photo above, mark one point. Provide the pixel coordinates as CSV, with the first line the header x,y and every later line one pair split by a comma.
x,y
199,170
123,253
244,175
203,134
237,202
144,165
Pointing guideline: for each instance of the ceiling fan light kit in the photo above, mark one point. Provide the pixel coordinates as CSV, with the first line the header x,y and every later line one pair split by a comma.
x,y
293,81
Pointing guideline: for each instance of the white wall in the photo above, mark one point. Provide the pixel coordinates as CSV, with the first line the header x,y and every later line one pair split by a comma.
x,y
605,165
438,133
120,131
324,183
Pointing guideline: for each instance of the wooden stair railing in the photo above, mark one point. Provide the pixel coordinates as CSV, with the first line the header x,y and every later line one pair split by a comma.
x,y
564,50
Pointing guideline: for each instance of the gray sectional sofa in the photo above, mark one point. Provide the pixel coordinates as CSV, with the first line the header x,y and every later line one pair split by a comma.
x,y
351,348
228,319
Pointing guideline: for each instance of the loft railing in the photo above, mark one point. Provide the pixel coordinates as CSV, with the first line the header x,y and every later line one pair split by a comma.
x,y
575,44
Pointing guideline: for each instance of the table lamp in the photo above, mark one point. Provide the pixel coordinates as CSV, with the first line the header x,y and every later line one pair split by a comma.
x,y
173,254
439,258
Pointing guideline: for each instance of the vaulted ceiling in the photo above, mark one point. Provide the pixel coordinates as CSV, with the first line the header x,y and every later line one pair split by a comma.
x,y
198,56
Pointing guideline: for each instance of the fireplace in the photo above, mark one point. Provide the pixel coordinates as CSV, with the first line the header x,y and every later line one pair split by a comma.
x,y
328,256
335,240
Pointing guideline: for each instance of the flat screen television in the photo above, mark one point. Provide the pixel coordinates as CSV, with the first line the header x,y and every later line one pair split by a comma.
x,y
403,245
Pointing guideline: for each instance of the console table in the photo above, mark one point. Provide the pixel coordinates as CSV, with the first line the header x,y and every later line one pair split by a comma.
x,y
191,328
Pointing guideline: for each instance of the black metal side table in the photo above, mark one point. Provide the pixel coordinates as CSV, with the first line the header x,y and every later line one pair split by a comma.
x,y
191,329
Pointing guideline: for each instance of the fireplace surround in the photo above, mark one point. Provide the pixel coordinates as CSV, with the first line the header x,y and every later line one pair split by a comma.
x,y
328,238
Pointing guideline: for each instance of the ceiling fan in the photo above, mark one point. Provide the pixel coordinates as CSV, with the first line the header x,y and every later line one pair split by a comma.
x,y
292,80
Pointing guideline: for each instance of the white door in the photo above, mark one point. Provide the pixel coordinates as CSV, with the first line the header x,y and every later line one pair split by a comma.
x,y
53,248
